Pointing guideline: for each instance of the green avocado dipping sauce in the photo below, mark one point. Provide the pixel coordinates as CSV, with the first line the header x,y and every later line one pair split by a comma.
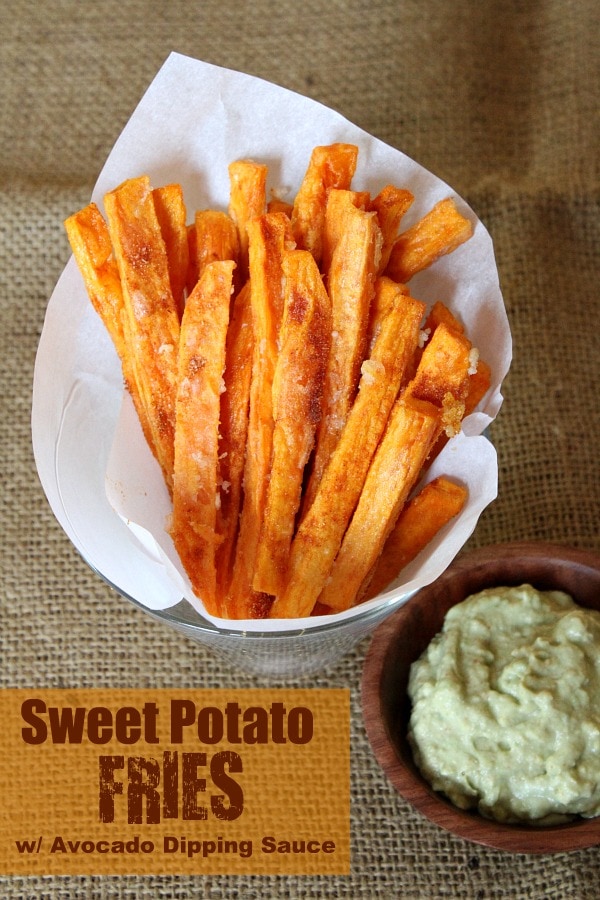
x,y
506,707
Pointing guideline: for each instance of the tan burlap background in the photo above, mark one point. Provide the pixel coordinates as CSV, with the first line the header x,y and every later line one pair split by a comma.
x,y
499,99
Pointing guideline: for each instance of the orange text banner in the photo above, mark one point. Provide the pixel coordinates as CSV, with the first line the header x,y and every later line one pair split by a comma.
x,y
182,782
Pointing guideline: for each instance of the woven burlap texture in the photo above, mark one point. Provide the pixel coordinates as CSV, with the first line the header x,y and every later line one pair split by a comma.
x,y
500,100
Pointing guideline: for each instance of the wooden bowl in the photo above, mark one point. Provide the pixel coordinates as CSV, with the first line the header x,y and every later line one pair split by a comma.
x,y
404,636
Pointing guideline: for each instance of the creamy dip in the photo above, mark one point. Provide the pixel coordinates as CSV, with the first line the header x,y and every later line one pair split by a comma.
x,y
506,707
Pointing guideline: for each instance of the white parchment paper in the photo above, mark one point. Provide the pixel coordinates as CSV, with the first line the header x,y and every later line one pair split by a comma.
x,y
100,478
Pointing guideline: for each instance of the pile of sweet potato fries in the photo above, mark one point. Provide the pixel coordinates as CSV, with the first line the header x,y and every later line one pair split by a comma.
x,y
290,387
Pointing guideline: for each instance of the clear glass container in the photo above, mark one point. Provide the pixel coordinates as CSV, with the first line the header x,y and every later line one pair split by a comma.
x,y
276,655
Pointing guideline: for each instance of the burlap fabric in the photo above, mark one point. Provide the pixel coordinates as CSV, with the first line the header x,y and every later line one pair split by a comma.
x,y
499,99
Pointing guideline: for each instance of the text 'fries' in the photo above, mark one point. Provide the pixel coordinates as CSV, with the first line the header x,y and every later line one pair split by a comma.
x,y
291,388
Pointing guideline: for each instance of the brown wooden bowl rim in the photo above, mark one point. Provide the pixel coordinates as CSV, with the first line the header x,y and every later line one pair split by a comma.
x,y
403,774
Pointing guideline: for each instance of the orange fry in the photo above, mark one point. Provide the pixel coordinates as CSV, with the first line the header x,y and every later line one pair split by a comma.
x,y
381,303
216,238
268,236
234,429
247,199
411,431
421,519
390,204
196,494
192,272
277,204
439,232
351,286
438,314
443,368
320,533
336,218
297,399
331,166
479,385
171,213
90,242
476,375
151,319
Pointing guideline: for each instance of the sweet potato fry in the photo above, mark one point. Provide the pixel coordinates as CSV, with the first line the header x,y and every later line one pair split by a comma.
x,y
418,523
336,218
386,291
476,375
90,242
192,272
410,433
477,385
234,429
171,213
320,533
278,204
151,319
438,314
305,339
247,199
439,232
390,204
351,287
331,166
216,239
195,480
443,368
268,236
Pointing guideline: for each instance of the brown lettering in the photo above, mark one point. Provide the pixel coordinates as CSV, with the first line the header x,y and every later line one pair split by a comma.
x,y
192,786
108,786
226,759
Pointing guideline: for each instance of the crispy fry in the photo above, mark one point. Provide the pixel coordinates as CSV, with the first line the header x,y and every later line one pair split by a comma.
x,y
192,272
320,534
90,242
331,166
151,319
171,214
386,291
443,368
234,429
438,314
390,204
277,204
351,287
336,219
268,236
439,232
479,385
195,480
444,376
479,374
247,199
216,239
297,401
410,433
420,520
476,375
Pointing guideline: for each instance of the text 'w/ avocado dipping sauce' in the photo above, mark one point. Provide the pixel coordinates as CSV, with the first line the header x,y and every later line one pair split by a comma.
x,y
506,707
